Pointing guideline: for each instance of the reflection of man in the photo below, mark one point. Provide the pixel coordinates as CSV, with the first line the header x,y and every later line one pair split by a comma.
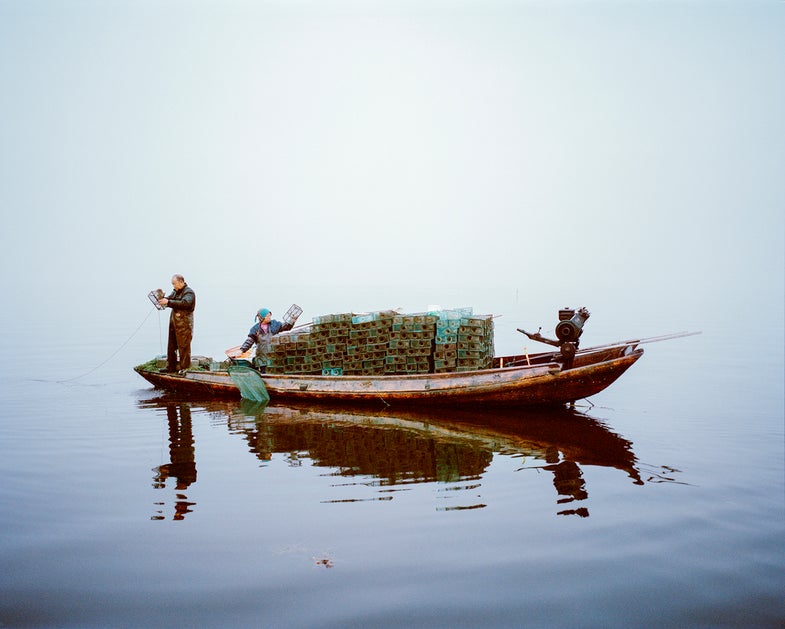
x,y
181,448
182,465
182,301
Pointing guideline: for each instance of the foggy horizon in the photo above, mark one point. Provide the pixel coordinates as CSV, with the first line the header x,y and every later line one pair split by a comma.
x,y
353,157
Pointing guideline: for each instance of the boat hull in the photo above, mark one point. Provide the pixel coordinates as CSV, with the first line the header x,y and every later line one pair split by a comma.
x,y
538,382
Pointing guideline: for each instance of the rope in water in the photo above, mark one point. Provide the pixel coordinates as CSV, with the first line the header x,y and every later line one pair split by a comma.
x,y
117,351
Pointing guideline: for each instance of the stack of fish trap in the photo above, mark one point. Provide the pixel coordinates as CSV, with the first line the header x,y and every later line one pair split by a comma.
x,y
386,343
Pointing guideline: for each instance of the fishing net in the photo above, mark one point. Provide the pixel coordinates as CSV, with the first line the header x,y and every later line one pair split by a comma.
x,y
250,383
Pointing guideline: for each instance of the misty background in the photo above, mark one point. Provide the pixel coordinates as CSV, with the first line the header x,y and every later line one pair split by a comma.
x,y
515,157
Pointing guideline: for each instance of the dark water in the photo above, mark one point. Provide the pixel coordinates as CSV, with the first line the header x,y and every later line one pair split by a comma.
x,y
659,503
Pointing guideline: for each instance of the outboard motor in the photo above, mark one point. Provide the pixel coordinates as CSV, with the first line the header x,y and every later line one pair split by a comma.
x,y
570,326
568,331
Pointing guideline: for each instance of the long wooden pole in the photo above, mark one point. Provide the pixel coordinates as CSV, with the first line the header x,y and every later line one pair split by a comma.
x,y
651,339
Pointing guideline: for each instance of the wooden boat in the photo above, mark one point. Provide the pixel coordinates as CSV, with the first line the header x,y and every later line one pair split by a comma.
x,y
513,381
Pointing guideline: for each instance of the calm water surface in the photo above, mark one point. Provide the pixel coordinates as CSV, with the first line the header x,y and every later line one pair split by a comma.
x,y
660,503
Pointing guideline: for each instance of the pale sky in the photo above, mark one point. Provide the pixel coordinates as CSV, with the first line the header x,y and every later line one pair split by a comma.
x,y
430,150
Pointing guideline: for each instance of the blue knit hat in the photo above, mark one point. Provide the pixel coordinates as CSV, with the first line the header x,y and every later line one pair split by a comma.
x,y
262,314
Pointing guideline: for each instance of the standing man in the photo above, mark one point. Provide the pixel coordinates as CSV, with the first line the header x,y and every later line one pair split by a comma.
x,y
182,301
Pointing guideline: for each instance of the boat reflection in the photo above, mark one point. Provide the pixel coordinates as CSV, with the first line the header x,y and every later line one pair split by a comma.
x,y
392,449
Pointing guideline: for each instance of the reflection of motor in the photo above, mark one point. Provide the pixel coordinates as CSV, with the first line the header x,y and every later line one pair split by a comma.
x,y
570,326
